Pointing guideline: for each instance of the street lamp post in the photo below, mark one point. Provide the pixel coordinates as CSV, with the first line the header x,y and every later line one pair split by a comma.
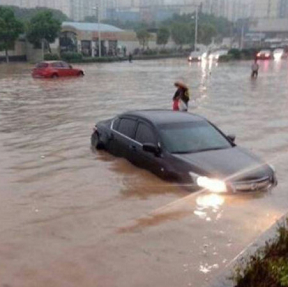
x,y
97,8
196,17
196,29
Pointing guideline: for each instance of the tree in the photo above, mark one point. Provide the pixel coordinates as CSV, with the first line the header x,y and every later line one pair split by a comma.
x,y
10,29
43,29
181,33
163,35
25,14
143,37
206,32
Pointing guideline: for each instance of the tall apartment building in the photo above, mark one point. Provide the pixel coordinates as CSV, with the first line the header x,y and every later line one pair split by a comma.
x,y
270,9
230,9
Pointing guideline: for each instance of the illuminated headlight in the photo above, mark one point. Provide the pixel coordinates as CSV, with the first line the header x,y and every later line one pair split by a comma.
x,y
199,58
217,57
211,184
190,58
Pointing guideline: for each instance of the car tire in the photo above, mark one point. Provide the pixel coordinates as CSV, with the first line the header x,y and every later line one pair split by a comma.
x,y
96,142
81,74
54,76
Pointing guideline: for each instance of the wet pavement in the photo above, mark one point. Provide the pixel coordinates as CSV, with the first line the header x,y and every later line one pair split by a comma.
x,y
71,217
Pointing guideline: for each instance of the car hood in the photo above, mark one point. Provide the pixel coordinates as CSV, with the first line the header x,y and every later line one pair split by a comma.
x,y
233,163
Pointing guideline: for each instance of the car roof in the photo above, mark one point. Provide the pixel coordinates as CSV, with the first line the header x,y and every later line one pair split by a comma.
x,y
159,117
51,62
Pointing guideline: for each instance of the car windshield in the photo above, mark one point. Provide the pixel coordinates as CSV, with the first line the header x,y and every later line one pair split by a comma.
x,y
192,137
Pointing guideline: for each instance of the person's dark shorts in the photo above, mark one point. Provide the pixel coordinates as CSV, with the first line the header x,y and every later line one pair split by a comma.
x,y
254,74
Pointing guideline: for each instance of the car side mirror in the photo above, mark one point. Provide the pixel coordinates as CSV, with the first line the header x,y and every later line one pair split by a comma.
x,y
70,66
231,138
152,148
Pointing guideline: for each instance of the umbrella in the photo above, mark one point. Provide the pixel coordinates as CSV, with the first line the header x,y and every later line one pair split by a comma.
x,y
180,85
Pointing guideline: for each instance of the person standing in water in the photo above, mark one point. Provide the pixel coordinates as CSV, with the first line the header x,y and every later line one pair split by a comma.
x,y
255,69
181,97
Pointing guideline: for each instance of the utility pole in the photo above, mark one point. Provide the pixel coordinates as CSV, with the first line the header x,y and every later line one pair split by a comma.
x,y
196,17
242,35
97,8
196,29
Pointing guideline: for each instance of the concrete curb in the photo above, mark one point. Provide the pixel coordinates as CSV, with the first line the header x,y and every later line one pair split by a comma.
x,y
223,280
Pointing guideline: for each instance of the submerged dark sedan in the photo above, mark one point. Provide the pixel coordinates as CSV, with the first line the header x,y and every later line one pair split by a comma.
x,y
185,148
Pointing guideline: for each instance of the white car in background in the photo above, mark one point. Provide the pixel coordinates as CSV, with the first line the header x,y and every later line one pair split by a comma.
x,y
279,54
217,54
197,56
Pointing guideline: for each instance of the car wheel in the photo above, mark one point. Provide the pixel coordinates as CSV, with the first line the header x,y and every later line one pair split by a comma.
x,y
54,76
96,142
81,74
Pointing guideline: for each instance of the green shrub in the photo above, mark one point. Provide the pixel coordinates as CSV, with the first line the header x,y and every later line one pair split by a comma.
x,y
235,54
249,53
150,52
225,58
51,57
166,51
71,56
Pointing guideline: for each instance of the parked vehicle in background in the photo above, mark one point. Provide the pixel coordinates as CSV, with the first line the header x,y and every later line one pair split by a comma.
x,y
264,55
217,54
55,69
279,54
184,148
196,56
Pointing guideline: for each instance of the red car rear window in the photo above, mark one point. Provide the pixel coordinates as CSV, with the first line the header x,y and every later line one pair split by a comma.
x,y
41,65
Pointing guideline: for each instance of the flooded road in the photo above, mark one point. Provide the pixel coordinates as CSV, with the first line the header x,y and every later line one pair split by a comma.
x,y
71,217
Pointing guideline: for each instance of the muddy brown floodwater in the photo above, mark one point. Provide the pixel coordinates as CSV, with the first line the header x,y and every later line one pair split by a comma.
x,y
71,217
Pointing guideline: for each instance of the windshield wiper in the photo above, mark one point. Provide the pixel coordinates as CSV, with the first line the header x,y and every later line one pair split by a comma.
x,y
183,152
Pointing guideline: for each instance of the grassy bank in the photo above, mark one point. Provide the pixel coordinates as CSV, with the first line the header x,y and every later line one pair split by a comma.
x,y
269,266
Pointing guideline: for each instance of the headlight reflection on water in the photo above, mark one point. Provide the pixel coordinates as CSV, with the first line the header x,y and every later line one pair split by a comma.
x,y
210,201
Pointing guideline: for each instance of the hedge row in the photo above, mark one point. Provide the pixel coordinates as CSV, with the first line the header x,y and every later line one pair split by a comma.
x,y
78,58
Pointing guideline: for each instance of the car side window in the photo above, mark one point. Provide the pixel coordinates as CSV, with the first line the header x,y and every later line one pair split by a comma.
x,y
116,123
145,134
127,127
56,65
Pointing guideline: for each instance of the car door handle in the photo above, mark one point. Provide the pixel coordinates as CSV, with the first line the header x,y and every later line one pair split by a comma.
x,y
133,148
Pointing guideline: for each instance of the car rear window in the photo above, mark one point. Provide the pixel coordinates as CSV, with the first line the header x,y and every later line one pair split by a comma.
x,y
65,65
41,65
127,127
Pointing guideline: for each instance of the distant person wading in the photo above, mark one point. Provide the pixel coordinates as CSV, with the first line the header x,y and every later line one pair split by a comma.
x,y
255,69
181,97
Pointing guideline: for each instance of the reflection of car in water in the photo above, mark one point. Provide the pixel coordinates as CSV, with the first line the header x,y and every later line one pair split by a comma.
x,y
217,54
55,69
264,55
185,148
196,56
279,54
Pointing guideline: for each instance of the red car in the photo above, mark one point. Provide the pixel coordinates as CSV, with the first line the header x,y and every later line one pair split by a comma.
x,y
264,55
55,69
